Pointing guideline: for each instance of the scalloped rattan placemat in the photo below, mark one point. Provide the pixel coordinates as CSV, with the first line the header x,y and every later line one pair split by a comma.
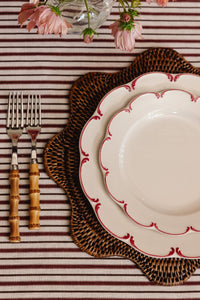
x,y
61,159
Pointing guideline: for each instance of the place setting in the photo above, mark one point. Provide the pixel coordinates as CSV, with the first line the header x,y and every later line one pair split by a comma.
x,y
136,164
100,143
130,168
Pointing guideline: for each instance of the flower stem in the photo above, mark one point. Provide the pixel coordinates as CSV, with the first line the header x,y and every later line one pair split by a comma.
x,y
123,5
88,13
127,3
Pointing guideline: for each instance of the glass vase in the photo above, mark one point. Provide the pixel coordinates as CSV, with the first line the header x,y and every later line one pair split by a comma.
x,y
75,12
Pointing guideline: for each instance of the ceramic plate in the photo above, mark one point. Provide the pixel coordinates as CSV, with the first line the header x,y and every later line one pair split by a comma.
x,y
151,163
109,214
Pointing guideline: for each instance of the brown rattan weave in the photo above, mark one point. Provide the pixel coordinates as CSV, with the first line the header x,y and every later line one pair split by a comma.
x,y
61,158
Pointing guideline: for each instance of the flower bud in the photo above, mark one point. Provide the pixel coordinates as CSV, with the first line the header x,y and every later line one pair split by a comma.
x,y
125,17
88,35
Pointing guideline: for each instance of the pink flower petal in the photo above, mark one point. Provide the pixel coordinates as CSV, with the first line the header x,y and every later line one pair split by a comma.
x,y
114,27
24,15
52,22
56,27
66,23
40,29
162,3
31,24
26,6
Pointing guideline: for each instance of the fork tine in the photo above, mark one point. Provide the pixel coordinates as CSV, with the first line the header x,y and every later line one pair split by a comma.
x,y
28,111
22,111
17,110
40,117
13,110
36,112
8,113
32,110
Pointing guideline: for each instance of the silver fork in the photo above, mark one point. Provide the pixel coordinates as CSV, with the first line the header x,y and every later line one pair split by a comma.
x,y
33,127
14,129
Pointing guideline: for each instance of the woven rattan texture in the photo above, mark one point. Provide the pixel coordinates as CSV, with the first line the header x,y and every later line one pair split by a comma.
x,y
61,159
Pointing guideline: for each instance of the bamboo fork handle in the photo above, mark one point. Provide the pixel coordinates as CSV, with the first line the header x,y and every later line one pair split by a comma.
x,y
34,192
14,202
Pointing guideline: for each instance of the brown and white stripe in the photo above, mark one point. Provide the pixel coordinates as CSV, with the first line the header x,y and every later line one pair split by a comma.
x,y
47,264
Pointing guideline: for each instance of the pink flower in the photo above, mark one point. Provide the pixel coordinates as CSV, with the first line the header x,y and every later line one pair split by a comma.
x,y
125,38
162,3
88,35
47,19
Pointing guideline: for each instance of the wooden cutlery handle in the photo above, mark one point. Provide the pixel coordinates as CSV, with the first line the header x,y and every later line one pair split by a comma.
x,y
34,192
14,202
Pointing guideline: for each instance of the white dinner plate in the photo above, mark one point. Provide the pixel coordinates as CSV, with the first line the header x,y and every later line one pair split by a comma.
x,y
109,214
150,158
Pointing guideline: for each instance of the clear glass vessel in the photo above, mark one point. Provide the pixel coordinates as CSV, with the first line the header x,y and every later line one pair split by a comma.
x,y
75,12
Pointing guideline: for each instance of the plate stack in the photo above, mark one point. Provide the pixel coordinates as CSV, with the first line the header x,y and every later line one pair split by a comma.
x,y
140,164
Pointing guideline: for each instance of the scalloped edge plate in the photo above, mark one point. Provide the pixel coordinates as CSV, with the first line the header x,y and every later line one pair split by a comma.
x,y
150,161
109,214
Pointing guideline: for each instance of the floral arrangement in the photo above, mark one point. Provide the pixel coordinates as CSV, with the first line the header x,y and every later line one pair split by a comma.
x,y
48,19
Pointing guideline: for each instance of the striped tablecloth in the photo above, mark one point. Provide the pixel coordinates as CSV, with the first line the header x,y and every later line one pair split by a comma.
x,y
47,264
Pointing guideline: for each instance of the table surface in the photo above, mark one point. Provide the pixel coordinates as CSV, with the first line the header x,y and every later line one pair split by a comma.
x,y
47,264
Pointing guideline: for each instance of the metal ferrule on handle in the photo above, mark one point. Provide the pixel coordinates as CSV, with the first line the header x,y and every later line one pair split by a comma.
x,y
14,160
34,153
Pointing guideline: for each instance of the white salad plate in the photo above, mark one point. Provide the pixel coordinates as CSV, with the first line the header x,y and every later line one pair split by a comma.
x,y
111,216
151,163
